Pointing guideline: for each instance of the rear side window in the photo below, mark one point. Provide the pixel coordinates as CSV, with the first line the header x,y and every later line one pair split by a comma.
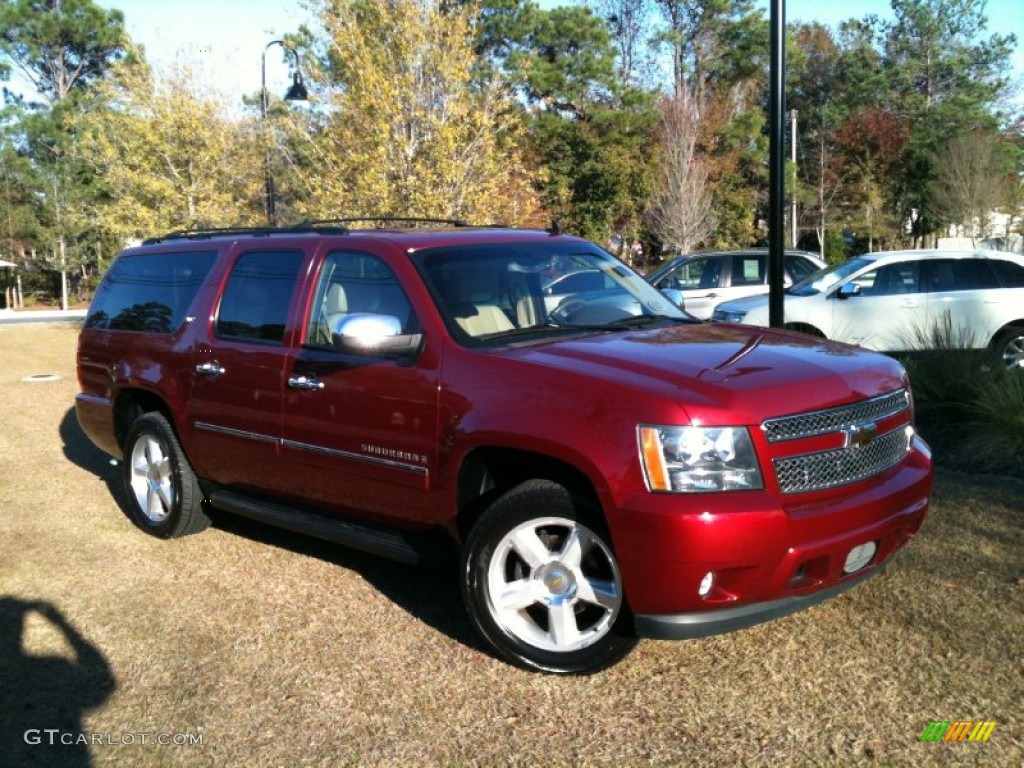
x,y
748,270
149,292
1010,275
961,275
256,299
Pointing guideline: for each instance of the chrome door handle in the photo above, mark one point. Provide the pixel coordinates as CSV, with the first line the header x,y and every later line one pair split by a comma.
x,y
304,382
211,369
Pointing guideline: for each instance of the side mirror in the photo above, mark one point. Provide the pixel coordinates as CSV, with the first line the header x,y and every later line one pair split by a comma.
x,y
674,295
848,290
363,333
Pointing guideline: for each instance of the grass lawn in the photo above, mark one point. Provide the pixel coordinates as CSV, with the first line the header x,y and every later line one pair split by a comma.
x,y
276,650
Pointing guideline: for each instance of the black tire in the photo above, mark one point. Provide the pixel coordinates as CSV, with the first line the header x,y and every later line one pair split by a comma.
x,y
1008,349
573,617
164,498
808,330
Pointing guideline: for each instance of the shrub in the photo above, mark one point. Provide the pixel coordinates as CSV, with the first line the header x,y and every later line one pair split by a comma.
x,y
968,407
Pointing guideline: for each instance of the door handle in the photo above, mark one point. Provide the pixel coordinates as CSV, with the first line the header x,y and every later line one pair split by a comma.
x,y
211,369
304,382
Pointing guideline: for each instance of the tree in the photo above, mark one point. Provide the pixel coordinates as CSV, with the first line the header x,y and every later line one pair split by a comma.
x,y
681,212
629,20
970,173
169,156
60,45
64,47
413,127
945,76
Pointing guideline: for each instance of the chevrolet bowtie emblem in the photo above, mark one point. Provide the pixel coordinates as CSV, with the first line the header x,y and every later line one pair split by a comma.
x,y
860,435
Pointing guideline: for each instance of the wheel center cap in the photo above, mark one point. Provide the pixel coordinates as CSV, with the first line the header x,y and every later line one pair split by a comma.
x,y
557,580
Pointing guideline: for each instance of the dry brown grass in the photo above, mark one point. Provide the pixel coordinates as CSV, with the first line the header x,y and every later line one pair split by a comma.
x,y
282,651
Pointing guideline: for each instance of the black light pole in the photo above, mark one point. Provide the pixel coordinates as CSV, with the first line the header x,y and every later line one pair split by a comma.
x,y
297,92
776,164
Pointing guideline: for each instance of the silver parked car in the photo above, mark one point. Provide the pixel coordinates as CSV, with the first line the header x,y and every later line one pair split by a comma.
x,y
896,301
706,279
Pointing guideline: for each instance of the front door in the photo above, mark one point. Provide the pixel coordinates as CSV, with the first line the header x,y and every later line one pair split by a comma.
x,y
890,312
359,432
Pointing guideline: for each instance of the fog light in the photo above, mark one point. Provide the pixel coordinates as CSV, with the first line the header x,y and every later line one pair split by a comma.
x,y
859,557
706,583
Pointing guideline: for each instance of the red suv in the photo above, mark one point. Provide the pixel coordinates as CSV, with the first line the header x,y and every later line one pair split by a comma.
x,y
605,467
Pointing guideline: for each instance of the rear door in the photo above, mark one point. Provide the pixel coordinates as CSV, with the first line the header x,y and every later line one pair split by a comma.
x,y
359,431
238,373
965,304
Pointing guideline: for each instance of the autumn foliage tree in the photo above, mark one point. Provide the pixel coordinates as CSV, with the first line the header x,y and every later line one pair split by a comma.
x,y
409,127
681,212
169,155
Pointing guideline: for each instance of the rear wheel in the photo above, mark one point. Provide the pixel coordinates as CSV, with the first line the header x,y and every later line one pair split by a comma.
x,y
164,498
542,584
1009,348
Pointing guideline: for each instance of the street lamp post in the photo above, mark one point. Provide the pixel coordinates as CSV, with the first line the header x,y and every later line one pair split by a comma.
x,y
297,92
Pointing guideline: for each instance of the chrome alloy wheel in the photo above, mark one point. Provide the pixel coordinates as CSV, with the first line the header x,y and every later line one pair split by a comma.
x,y
553,583
1013,352
152,479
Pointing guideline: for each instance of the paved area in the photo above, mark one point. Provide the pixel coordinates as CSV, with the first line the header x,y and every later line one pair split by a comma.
x,y
12,316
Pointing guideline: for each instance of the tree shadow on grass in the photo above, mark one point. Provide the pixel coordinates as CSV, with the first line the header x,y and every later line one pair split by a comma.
x,y
43,698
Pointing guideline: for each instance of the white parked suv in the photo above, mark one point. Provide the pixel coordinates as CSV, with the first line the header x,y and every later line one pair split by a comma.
x,y
892,301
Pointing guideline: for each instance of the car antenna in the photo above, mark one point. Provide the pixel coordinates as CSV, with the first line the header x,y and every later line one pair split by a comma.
x,y
554,229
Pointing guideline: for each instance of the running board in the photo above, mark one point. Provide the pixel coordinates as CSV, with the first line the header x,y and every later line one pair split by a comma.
x,y
404,546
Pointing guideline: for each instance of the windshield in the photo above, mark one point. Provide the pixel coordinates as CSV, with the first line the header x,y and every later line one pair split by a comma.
x,y
510,290
825,278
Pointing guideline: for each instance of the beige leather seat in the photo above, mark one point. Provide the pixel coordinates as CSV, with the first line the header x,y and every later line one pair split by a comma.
x,y
475,305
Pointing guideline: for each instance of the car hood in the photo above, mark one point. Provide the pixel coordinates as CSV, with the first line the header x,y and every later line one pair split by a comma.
x,y
723,374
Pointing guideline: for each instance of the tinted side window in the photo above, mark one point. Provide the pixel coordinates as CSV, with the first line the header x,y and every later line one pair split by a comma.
x,y
695,273
891,279
961,275
256,298
149,292
356,283
1010,275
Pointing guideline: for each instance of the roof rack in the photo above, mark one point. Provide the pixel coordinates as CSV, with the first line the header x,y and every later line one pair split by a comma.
x,y
385,220
322,226
207,233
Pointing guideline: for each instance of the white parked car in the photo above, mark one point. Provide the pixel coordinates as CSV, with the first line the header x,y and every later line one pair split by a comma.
x,y
708,278
892,301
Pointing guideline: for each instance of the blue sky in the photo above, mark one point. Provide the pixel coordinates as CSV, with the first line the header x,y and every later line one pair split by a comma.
x,y
228,36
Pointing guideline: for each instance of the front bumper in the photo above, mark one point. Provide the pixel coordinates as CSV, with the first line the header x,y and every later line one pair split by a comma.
x,y
768,558
688,626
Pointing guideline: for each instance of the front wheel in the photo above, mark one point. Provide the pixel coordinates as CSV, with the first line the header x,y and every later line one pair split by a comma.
x,y
164,498
542,584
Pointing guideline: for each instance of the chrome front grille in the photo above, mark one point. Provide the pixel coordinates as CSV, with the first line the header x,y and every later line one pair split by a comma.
x,y
831,469
835,419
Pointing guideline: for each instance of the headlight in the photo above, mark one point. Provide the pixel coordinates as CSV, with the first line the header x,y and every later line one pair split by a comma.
x,y
698,459
726,316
